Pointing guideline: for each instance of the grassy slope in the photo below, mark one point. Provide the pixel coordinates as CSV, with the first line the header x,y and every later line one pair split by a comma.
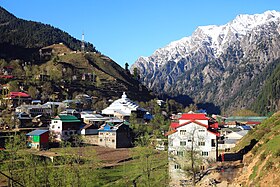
x,y
263,160
113,78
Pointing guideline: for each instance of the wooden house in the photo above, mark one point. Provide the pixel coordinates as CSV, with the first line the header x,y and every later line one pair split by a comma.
x,y
38,139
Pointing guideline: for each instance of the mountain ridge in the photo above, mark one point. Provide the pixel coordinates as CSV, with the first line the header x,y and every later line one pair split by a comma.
x,y
19,36
47,63
205,64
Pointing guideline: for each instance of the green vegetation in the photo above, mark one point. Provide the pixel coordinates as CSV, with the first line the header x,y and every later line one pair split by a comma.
x,y
244,112
22,35
267,150
268,100
80,166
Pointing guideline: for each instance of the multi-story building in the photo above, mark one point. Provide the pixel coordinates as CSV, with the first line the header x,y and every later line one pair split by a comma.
x,y
191,133
114,136
62,127
35,110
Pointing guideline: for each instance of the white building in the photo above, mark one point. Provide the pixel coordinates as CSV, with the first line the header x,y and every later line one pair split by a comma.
x,y
192,132
123,107
63,126
231,139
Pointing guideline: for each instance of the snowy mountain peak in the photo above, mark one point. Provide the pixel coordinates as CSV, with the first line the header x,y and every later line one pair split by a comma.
x,y
213,36
216,62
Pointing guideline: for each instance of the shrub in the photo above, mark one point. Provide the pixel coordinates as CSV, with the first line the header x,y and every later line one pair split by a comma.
x,y
269,165
262,156
277,153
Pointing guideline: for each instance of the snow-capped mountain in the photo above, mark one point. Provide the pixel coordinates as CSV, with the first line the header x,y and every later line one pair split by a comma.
x,y
215,62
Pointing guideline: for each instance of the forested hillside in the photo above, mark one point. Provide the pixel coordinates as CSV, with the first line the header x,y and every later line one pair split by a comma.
x,y
22,39
269,98
47,63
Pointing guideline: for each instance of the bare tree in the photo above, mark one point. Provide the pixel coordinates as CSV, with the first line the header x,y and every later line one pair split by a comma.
x,y
188,156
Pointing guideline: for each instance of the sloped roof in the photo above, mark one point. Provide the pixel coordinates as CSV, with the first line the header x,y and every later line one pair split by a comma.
x,y
175,125
67,118
192,116
37,132
18,94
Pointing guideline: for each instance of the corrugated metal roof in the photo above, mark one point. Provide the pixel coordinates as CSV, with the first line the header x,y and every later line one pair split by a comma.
x,y
192,116
67,118
246,118
37,132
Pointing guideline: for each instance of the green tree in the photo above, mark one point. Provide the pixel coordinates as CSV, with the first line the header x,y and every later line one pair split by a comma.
x,y
135,73
191,108
244,112
14,86
33,92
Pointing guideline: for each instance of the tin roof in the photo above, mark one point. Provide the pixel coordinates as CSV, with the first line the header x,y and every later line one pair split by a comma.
x,y
67,118
18,94
37,132
193,116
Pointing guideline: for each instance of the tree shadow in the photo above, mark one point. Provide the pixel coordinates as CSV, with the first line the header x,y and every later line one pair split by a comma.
x,y
239,155
211,108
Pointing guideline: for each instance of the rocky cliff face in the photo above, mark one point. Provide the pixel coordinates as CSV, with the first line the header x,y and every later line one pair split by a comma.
x,y
215,62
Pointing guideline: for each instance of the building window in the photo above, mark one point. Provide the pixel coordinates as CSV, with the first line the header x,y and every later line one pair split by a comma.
x,y
55,121
101,133
213,143
113,140
201,130
177,166
180,153
189,140
183,132
182,143
201,143
100,140
53,127
204,153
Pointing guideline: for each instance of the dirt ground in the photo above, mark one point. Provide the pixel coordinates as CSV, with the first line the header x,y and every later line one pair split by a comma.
x,y
111,156
108,156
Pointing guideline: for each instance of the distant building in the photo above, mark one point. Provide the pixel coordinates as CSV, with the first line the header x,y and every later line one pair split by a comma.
x,y
230,139
93,123
114,136
38,139
18,98
123,108
24,120
62,127
35,110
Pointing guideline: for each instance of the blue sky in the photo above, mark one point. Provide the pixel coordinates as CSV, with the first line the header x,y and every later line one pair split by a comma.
x,y
127,29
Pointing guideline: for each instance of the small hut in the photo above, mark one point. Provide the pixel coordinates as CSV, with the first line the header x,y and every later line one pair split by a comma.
x,y
38,139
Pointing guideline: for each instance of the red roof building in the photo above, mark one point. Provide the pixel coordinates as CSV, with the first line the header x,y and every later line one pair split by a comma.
x,y
13,95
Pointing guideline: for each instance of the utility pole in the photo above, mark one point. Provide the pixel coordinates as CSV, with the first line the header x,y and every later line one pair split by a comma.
x,y
83,43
